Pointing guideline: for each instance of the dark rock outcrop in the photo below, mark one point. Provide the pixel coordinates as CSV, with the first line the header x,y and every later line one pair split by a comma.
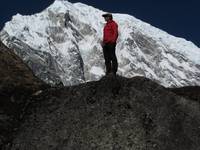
x,y
17,83
110,114
191,92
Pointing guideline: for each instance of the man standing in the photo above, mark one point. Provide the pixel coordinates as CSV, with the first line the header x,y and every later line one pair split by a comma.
x,y
110,35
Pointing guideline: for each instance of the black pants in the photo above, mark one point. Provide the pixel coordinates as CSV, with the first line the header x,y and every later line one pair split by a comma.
x,y
110,58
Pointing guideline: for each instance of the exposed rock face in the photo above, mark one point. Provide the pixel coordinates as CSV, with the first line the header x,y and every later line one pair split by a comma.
x,y
17,83
62,44
113,113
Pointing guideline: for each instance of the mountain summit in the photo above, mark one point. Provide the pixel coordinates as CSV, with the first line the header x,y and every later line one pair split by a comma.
x,y
62,44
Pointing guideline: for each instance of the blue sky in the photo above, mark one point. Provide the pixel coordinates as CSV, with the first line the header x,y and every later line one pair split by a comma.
x,y
178,17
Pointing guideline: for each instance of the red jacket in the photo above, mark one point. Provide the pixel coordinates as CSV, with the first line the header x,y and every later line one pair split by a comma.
x,y
110,32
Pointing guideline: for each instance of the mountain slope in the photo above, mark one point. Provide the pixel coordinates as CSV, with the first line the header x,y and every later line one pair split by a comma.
x,y
113,113
61,43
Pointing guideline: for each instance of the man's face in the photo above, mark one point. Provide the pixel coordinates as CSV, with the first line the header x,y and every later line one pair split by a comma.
x,y
107,18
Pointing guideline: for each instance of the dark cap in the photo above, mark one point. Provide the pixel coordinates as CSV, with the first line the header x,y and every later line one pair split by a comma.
x,y
107,15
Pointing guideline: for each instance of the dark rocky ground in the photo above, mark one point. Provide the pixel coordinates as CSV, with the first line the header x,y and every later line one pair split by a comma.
x,y
114,113
190,92
17,83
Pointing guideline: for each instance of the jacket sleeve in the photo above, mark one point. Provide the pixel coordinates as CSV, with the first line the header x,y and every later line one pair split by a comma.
x,y
115,32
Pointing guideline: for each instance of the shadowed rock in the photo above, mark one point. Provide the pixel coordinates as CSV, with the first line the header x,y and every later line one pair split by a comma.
x,y
191,92
17,83
114,113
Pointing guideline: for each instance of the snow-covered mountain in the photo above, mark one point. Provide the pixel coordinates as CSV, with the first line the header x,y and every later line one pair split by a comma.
x,y
62,44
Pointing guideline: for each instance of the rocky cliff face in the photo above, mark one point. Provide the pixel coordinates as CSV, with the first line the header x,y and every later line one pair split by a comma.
x,y
62,44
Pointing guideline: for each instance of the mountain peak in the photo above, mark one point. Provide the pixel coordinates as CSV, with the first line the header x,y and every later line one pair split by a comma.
x,y
63,43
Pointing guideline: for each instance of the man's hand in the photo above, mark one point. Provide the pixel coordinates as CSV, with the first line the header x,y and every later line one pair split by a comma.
x,y
102,44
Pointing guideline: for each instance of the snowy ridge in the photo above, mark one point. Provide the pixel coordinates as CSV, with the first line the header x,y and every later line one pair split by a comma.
x,y
62,44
